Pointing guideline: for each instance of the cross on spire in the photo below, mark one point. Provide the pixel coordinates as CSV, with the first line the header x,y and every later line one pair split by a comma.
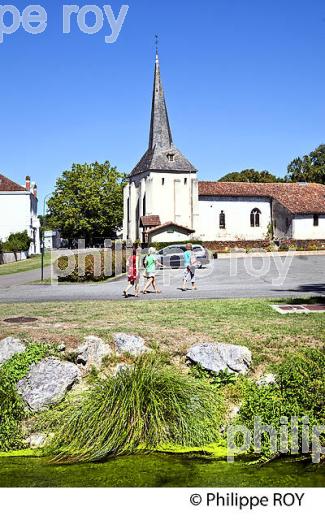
x,y
156,43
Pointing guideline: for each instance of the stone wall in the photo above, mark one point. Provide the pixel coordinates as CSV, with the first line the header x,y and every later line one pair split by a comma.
x,y
223,246
9,258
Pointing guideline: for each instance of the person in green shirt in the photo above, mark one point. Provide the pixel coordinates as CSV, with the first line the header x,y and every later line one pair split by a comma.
x,y
151,263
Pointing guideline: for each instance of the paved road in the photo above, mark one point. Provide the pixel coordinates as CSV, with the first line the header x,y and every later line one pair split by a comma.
x,y
225,278
9,280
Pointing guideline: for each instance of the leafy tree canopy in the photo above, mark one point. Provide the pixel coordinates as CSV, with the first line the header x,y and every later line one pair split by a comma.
x,y
17,242
87,202
250,176
309,168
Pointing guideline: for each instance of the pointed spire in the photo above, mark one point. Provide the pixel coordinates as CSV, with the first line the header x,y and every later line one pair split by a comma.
x,y
160,133
162,155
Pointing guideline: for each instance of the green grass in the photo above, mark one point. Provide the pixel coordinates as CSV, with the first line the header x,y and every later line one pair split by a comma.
x,y
173,326
22,453
25,265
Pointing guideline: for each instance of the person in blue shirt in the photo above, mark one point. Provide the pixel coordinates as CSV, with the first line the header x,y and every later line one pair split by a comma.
x,y
190,264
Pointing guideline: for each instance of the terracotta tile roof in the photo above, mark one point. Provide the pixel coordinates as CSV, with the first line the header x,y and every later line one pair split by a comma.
x,y
150,220
298,198
8,185
171,224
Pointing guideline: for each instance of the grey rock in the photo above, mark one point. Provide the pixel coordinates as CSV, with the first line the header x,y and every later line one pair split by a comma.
x,y
234,411
37,440
266,379
9,347
121,367
129,344
47,383
216,357
92,351
61,347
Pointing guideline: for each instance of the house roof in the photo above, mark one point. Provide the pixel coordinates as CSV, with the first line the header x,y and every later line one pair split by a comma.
x,y
8,185
150,221
161,144
298,198
187,230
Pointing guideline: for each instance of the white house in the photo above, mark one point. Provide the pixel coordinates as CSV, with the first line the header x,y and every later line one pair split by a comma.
x,y
18,211
164,201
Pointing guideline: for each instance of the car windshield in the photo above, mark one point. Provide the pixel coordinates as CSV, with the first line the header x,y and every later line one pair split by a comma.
x,y
173,250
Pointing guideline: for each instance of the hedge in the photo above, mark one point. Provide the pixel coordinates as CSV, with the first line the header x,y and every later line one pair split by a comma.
x,y
94,266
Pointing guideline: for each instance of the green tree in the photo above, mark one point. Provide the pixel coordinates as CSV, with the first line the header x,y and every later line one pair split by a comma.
x,y
309,168
17,242
87,202
250,176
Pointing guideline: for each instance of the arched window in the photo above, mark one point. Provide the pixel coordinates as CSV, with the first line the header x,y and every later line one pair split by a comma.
x,y
222,220
255,217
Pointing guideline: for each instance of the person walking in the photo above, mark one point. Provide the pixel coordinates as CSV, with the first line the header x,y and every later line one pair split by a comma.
x,y
151,263
133,266
190,265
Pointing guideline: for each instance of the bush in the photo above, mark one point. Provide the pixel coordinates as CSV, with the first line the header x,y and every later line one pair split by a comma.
x,y
144,407
11,413
88,268
12,410
17,242
299,392
18,366
220,379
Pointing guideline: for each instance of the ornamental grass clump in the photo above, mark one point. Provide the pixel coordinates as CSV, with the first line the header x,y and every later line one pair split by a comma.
x,y
142,407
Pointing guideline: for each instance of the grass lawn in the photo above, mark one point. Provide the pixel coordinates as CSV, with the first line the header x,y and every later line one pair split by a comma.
x,y
172,326
25,265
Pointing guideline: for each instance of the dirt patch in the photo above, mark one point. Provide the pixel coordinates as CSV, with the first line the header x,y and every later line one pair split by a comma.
x,y
20,319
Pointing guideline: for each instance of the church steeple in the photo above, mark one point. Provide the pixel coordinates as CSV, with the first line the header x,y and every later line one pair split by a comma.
x,y
160,133
162,155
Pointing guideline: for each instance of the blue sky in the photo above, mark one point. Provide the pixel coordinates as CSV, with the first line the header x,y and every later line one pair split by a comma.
x,y
244,82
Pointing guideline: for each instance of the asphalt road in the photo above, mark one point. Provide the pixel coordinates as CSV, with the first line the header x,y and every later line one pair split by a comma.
x,y
237,278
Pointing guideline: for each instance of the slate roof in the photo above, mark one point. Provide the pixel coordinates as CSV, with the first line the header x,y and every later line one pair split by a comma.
x,y
8,185
171,224
160,139
150,220
298,198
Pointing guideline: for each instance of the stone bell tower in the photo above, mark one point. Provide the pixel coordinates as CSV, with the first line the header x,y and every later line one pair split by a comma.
x,y
163,185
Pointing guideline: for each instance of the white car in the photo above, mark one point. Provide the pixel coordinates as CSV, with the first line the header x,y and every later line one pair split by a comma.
x,y
173,255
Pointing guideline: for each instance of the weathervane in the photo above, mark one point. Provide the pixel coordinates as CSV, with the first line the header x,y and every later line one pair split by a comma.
x,y
157,41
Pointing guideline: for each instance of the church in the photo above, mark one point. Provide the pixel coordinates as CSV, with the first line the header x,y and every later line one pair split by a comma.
x,y
165,202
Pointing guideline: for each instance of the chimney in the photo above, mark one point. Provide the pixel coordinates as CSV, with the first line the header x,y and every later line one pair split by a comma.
x,y
35,190
27,183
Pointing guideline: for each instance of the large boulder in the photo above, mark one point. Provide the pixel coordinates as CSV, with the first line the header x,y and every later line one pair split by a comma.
x,y
216,357
128,344
92,352
47,383
9,347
